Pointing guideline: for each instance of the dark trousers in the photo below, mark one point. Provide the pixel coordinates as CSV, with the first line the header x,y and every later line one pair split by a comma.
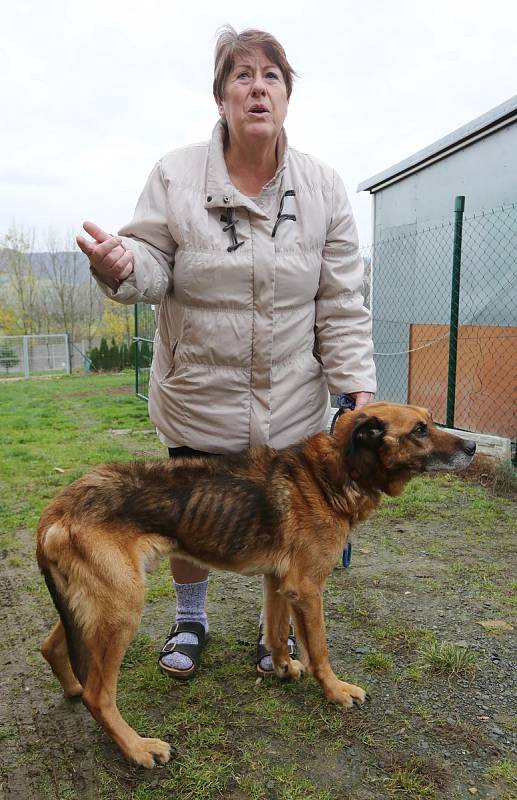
x,y
188,452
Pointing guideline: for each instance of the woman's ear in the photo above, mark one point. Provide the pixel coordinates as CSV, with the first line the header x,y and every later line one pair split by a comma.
x,y
220,106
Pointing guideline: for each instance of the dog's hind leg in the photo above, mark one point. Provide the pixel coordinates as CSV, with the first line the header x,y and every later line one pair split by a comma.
x,y
55,650
107,634
276,619
99,697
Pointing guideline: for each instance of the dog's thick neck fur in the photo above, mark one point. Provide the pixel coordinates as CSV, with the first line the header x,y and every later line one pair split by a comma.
x,y
345,491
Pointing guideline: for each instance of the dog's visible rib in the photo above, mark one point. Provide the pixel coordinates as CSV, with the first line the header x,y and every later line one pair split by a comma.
x,y
284,513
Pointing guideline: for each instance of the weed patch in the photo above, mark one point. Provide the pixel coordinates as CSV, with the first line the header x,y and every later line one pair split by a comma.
x,y
378,662
448,658
395,635
415,777
503,773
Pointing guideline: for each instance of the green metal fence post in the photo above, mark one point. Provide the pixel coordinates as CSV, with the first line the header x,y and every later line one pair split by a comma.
x,y
136,349
459,208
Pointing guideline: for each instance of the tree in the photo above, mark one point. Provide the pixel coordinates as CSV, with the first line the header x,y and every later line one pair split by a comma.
x,y
144,355
124,356
95,358
66,269
7,319
104,355
114,356
117,322
132,353
16,264
8,357
92,309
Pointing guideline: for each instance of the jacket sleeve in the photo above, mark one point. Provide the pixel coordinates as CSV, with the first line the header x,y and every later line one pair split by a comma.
x,y
149,239
343,324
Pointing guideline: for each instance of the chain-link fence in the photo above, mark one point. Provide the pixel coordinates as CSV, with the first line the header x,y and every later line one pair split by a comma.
x,y
34,355
145,325
444,308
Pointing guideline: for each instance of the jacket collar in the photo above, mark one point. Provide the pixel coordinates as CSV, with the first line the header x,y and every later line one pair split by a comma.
x,y
219,190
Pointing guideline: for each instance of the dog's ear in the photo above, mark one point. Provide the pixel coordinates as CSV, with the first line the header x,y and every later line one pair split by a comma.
x,y
367,434
364,443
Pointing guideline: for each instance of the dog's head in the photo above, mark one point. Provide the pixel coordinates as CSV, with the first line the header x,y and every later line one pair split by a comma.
x,y
383,445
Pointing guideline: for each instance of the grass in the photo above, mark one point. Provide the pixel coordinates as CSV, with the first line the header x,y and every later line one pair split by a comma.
x,y
235,738
506,770
448,658
414,777
418,501
7,733
500,478
408,783
378,662
429,498
394,634
62,424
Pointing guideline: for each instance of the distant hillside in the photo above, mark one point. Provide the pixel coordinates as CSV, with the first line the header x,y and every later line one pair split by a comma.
x,y
41,261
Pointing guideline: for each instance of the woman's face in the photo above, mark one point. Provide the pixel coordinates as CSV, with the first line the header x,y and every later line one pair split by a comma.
x,y
255,99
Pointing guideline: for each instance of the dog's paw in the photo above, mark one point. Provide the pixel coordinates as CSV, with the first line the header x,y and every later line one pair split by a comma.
x,y
149,752
345,694
291,669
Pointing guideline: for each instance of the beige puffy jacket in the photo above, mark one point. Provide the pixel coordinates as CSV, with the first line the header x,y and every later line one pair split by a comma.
x,y
241,286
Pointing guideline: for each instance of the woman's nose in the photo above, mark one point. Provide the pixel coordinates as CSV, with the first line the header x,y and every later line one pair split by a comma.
x,y
259,85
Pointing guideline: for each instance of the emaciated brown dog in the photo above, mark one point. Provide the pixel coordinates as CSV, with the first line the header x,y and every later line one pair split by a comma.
x,y
286,514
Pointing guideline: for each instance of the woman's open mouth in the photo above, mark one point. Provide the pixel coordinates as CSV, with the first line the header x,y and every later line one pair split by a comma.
x,y
258,110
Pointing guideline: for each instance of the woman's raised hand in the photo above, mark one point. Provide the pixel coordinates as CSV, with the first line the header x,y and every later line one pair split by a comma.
x,y
108,256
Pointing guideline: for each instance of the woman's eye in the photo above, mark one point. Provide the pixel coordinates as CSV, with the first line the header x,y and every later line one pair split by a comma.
x,y
243,75
272,75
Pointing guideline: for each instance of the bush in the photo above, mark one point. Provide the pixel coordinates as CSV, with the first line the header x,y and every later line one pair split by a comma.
x,y
112,358
8,357
144,355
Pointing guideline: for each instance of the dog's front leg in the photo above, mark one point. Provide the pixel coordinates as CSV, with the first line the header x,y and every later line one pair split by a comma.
x,y
307,607
276,630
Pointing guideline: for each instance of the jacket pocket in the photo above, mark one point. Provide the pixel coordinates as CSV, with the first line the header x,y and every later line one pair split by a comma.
x,y
172,367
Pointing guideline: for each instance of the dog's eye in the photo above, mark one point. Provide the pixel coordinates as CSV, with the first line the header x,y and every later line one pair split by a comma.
x,y
421,429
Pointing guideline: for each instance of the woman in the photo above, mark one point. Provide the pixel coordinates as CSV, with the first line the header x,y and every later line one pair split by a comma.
x,y
249,249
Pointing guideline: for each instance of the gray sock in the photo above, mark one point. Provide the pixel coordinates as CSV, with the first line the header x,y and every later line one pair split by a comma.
x,y
190,607
266,663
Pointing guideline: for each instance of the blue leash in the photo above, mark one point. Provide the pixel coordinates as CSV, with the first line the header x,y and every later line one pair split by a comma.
x,y
347,555
345,402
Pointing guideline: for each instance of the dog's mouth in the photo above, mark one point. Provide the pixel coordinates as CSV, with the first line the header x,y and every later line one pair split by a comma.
x,y
452,462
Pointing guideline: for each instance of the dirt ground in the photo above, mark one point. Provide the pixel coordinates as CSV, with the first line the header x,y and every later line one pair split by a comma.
x,y
423,734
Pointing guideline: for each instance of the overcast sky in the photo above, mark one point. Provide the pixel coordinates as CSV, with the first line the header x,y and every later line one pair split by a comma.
x,y
93,93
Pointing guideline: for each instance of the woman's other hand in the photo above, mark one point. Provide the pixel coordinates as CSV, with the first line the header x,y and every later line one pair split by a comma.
x,y
108,256
361,398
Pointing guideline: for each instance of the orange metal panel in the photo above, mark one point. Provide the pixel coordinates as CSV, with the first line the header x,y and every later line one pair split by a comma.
x,y
486,379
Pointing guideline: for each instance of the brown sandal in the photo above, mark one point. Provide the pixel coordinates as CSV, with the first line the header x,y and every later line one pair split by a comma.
x,y
262,650
192,651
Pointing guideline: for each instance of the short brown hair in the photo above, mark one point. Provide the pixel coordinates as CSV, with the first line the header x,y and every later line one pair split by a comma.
x,y
230,45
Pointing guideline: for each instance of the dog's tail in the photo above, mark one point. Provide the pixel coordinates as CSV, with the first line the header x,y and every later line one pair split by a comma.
x,y
50,540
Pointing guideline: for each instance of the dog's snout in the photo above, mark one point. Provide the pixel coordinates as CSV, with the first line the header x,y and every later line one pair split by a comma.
x,y
469,447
